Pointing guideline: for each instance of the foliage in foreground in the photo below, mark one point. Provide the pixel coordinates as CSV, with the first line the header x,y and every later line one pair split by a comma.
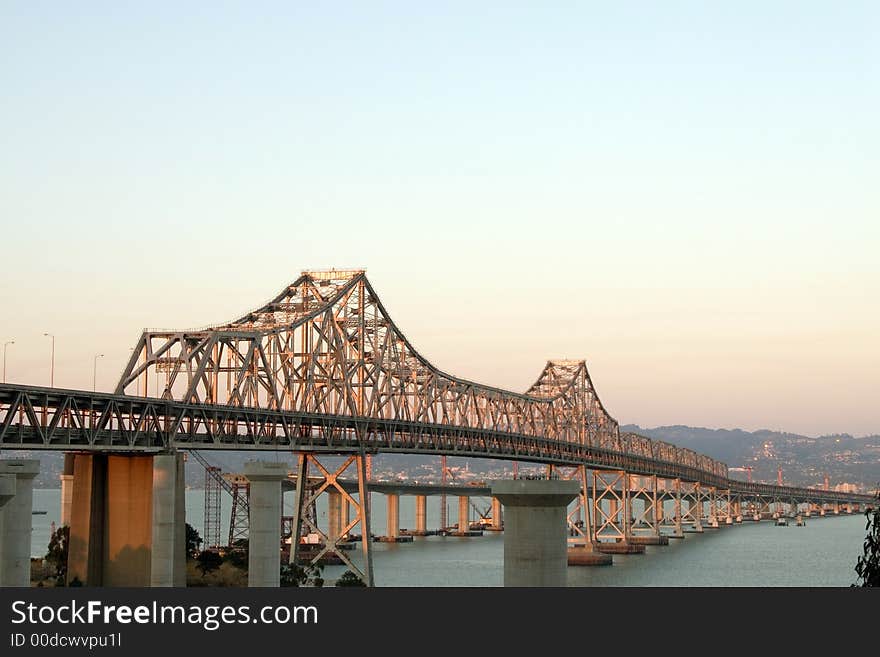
x,y
868,565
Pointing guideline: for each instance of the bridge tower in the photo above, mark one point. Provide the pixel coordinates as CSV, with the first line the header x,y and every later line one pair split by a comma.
x,y
238,522
212,507
443,511
304,522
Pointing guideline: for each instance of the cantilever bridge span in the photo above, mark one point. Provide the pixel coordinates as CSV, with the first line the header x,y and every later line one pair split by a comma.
x,y
322,369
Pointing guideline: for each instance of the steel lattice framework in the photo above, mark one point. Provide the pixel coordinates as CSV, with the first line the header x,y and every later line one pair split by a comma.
x,y
327,346
322,367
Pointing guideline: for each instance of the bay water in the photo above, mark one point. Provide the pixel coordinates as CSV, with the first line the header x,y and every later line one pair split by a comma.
x,y
822,553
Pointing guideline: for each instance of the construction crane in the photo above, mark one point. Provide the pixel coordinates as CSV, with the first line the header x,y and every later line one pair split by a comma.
x,y
238,489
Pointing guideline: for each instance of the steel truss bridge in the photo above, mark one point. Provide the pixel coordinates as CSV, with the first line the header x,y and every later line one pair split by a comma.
x,y
322,369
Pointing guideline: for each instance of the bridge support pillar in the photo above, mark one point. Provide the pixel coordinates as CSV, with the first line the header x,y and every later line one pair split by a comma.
x,y
393,516
658,505
679,532
497,521
111,520
67,488
463,513
264,542
16,506
421,515
695,511
305,523
334,515
535,543
168,553
346,515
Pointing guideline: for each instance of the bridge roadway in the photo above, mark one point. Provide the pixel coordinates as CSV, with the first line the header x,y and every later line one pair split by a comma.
x,y
40,418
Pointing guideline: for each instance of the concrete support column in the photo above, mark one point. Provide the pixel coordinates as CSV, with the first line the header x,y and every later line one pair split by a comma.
x,y
695,510
334,514
393,516
85,553
346,513
658,504
264,545
678,529
612,510
497,517
463,524
15,521
7,491
67,488
111,520
535,541
168,554
421,515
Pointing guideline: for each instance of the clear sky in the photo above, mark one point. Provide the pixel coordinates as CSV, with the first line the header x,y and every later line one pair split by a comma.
x,y
684,194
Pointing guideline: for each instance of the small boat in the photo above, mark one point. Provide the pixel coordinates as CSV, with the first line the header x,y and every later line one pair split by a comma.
x,y
782,521
38,513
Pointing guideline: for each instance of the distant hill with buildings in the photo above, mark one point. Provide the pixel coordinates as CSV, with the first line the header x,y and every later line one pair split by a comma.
x,y
804,460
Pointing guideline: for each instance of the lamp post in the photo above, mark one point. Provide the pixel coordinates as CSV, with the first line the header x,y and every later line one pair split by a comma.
x,y
52,368
5,344
95,371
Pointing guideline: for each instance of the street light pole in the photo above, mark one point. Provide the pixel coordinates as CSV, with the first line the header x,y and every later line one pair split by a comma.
x,y
5,344
95,371
52,369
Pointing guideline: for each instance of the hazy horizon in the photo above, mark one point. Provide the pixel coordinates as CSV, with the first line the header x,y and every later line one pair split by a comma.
x,y
685,196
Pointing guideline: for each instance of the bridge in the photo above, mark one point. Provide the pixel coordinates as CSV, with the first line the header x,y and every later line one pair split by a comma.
x,y
322,370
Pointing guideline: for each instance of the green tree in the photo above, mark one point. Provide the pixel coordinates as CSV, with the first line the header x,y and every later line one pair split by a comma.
x,y
293,575
868,565
348,578
193,541
208,561
57,554
238,554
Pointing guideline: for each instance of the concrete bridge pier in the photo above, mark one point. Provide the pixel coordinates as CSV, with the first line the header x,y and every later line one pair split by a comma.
x,y
264,543
535,536
168,549
679,531
127,520
463,513
16,506
67,488
695,510
658,513
497,518
392,518
421,515
713,508
334,514
345,513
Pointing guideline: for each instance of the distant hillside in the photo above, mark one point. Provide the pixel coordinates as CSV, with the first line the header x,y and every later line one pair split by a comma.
x,y
804,460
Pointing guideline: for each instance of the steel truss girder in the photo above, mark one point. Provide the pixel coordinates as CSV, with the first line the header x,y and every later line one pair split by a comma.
x,y
32,417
